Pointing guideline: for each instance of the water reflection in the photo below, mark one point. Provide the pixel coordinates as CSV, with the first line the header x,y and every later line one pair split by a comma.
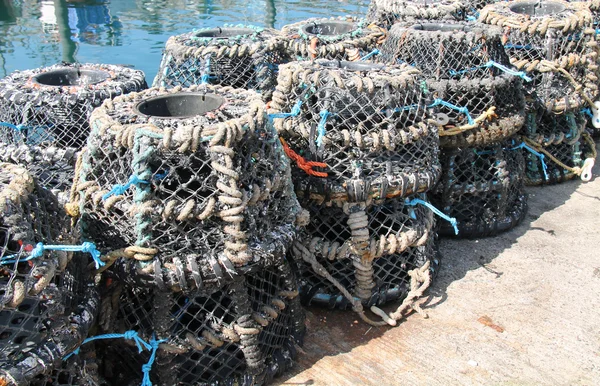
x,y
36,33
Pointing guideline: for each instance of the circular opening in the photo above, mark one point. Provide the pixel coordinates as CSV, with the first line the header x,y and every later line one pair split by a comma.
x,y
328,28
433,27
179,105
71,77
352,66
537,8
224,32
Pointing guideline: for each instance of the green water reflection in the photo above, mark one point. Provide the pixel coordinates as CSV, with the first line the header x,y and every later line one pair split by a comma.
x,y
36,33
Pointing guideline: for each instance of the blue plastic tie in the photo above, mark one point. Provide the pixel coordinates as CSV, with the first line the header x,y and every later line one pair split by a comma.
x,y
295,112
464,110
587,112
147,367
537,154
38,251
117,190
501,67
372,53
129,335
321,127
418,201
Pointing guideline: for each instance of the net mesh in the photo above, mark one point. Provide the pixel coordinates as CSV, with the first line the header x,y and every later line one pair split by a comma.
x,y
47,307
476,102
562,136
355,130
553,42
78,370
242,333
44,114
388,12
343,38
400,238
239,56
483,189
188,199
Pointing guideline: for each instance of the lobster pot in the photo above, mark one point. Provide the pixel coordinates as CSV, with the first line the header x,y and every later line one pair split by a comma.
x,y
563,137
190,184
477,112
356,131
483,189
386,13
336,39
446,50
371,262
243,333
554,43
47,307
238,56
44,114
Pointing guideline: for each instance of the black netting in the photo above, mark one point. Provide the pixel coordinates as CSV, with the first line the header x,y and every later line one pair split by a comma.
x,y
560,135
388,12
192,184
482,188
47,307
239,56
243,333
355,129
44,114
400,238
476,101
342,38
554,43
78,370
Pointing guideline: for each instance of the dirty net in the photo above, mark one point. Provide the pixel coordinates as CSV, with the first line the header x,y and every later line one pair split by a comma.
x,y
355,131
399,238
386,13
47,306
44,114
477,99
554,42
343,38
240,56
483,188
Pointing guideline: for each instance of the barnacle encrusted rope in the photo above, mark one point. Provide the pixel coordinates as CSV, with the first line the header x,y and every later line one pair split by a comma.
x,y
388,12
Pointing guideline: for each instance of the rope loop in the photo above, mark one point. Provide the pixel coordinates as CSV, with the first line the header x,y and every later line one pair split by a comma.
x,y
418,201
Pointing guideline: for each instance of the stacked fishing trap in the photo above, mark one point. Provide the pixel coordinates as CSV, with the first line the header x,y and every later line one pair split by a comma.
x,y
48,302
44,114
238,56
188,194
554,42
336,39
478,103
363,153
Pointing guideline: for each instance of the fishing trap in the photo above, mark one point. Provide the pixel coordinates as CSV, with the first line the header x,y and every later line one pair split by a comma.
x,y
355,131
343,38
44,114
239,56
483,188
47,304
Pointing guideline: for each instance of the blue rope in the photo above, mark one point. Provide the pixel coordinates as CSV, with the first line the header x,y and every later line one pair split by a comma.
x,y
501,67
418,201
372,53
587,112
148,366
321,127
117,190
523,145
518,46
40,248
15,128
464,110
130,335
294,113
205,76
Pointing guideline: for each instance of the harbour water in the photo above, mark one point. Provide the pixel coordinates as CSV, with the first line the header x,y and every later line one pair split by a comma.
x,y
36,33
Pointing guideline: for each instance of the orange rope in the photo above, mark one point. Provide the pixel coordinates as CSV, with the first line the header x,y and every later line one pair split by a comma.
x,y
302,163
